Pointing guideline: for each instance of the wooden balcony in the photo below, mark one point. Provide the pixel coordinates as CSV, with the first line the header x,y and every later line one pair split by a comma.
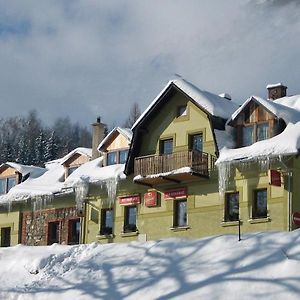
x,y
176,167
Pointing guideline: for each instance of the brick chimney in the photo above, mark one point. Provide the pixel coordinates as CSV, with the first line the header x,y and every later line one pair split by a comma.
x,y
276,91
97,136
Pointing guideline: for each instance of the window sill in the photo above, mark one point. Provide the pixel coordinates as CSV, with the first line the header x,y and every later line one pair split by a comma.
x,y
104,237
259,220
126,234
181,228
230,223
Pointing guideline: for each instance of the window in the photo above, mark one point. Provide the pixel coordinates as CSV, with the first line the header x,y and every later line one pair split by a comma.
x,y
262,131
123,156
232,207
74,232
2,186
181,110
6,184
196,142
247,136
130,219
5,236
53,232
106,221
259,207
166,146
111,158
180,213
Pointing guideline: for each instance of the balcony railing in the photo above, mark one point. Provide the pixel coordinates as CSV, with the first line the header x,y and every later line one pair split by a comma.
x,y
199,163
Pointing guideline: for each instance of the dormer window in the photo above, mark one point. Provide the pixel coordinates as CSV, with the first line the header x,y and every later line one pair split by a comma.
x,y
123,156
255,124
111,158
116,157
6,184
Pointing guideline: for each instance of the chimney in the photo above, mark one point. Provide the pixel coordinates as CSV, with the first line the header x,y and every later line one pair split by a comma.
x,y
275,91
98,136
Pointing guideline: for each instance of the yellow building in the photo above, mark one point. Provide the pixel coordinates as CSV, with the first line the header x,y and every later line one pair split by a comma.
x,y
172,187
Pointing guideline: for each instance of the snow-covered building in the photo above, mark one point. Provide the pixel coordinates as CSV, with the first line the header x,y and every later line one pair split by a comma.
x,y
171,188
41,210
258,173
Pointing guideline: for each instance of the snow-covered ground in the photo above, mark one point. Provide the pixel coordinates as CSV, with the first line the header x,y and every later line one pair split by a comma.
x,y
261,266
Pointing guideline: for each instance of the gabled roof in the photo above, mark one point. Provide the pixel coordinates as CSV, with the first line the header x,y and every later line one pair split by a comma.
x,y
32,171
209,102
81,151
126,132
281,111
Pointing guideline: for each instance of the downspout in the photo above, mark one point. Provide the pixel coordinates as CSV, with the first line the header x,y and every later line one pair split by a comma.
x,y
290,174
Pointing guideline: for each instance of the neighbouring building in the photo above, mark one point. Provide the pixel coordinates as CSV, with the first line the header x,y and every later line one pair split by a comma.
x,y
12,174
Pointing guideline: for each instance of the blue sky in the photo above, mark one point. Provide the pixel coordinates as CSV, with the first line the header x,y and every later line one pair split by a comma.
x,y
85,58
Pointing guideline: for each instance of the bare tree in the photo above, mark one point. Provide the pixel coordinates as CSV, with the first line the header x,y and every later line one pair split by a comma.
x,y
134,114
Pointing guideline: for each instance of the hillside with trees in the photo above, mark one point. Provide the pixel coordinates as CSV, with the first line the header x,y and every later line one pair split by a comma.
x,y
28,141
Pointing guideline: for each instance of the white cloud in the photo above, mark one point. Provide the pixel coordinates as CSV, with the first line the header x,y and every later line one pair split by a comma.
x,y
86,58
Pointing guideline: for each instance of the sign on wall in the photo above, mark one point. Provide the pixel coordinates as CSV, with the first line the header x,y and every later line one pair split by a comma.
x,y
129,200
274,178
175,194
151,198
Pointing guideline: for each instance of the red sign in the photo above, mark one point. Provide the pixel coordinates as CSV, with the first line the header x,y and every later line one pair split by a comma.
x,y
274,178
150,198
296,218
128,200
175,194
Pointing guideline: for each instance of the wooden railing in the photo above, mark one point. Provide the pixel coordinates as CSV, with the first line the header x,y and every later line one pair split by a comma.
x,y
199,162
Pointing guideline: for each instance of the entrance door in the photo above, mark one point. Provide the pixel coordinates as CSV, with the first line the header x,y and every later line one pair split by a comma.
x,y
74,232
53,232
5,236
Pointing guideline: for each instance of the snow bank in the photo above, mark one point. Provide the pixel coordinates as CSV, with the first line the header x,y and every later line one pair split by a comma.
x,y
262,265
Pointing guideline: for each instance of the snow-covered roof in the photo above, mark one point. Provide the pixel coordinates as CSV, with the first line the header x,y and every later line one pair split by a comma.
x,y
285,143
209,102
49,183
273,85
79,150
289,101
32,171
281,111
92,172
223,138
126,132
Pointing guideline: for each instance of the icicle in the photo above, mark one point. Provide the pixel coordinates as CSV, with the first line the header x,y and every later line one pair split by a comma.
x,y
224,173
81,190
111,187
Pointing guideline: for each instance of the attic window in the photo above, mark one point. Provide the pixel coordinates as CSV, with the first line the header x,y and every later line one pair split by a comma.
x,y
181,110
6,184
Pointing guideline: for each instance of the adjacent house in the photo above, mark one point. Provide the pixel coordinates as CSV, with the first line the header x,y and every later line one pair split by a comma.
x,y
44,209
11,175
